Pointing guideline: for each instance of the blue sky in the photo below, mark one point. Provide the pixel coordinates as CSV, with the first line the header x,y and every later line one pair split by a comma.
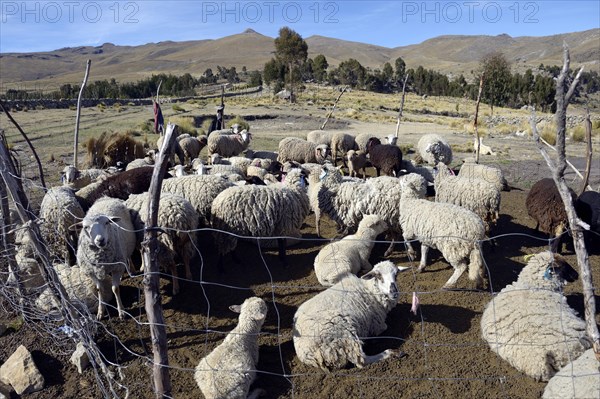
x,y
28,26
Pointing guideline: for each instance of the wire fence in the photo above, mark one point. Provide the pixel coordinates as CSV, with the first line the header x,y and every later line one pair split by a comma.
x,y
442,337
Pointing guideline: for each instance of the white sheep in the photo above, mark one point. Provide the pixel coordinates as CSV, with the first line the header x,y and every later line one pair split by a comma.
x,y
433,148
357,160
229,369
192,146
59,211
272,155
148,160
529,322
76,178
424,170
178,171
276,210
320,137
341,143
228,145
483,149
298,150
362,139
455,231
199,190
477,195
579,379
349,255
329,328
106,243
179,220
491,174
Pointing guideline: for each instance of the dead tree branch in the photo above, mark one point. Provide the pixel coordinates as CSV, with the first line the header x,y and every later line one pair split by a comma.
x,y
76,140
401,105
588,164
475,120
333,109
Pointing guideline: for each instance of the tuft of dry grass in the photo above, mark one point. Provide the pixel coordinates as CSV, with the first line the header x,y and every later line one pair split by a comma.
x,y
548,133
186,124
108,149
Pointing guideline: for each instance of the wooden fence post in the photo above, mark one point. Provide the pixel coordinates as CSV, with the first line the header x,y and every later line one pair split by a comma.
x,y
76,140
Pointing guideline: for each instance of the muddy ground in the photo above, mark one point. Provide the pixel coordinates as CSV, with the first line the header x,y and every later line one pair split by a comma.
x,y
446,355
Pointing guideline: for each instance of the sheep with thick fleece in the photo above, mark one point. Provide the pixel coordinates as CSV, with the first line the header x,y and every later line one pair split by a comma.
x,y
424,170
191,146
199,190
148,160
328,328
320,137
385,158
579,379
362,139
545,205
302,151
229,369
453,230
433,148
272,155
179,219
228,145
529,322
106,243
491,174
477,195
341,143
59,210
349,255
276,210
79,178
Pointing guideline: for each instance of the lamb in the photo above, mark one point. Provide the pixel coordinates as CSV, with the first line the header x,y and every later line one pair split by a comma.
x,y
349,255
491,174
272,155
192,146
228,145
341,143
76,178
433,149
298,150
529,322
579,379
105,245
544,204
477,195
320,137
357,160
483,149
588,210
328,328
455,231
229,370
179,219
385,157
58,211
276,210
199,190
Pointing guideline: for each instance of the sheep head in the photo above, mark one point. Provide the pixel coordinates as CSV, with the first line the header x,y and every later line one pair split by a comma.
x,y
373,141
98,229
253,308
383,276
70,174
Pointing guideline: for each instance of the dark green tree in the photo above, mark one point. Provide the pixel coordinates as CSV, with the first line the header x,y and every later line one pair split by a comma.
x,y
400,71
292,51
497,79
320,66
352,73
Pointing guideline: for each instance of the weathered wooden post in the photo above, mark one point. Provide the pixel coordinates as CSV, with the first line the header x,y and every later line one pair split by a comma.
x,y
333,109
76,141
477,141
401,105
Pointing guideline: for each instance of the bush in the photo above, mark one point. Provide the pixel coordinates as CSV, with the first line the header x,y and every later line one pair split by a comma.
x,y
177,108
578,134
186,124
548,133
240,121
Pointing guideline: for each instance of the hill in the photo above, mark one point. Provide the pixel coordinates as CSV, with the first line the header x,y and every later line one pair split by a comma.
x,y
449,54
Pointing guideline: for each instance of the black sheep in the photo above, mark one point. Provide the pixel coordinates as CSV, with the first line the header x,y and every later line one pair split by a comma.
x,y
386,158
588,210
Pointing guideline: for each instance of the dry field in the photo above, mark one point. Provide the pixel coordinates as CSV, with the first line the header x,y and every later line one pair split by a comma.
x,y
446,355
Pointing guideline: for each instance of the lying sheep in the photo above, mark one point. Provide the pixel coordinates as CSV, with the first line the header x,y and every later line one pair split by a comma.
x,y
544,204
385,158
60,210
272,155
75,178
229,370
178,219
530,324
351,254
490,174
298,150
106,243
476,195
228,145
433,149
199,190
357,160
341,143
453,230
328,328
276,210
579,379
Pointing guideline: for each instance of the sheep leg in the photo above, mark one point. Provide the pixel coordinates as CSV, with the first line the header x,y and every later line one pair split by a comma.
x,y
390,249
175,277
366,359
423,263
281,245
101,301
116,280
410,251
458,271
318,222
256,393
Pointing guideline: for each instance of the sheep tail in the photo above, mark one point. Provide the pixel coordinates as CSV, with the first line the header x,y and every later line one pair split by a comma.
x,y
476,272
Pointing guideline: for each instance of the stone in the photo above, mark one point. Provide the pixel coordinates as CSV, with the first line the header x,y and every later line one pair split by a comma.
x,y
80,358
20,372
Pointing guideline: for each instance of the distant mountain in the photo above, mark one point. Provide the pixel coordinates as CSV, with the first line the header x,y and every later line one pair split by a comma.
x,y
448,54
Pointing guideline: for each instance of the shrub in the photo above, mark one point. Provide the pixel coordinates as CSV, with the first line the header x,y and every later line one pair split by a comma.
x,y
578,134
178,108
548,133
240,121
186,124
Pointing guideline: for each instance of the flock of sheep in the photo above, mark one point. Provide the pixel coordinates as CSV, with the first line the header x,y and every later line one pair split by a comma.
x,y
94,223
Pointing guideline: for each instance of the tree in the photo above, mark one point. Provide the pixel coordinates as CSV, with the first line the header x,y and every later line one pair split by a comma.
x,y
352,73
320,66
255,79
497,79
400,70
292,51
274,71
387,74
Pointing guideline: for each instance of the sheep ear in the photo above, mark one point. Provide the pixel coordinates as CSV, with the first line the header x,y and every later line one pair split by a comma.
x,y
236,308
115,219
403,269
76,227
373,274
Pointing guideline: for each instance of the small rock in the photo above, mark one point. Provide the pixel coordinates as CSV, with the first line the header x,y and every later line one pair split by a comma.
x,y
21,372
80,358
3,328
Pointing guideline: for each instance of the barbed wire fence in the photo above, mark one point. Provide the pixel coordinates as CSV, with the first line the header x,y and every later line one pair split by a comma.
x,y
119,349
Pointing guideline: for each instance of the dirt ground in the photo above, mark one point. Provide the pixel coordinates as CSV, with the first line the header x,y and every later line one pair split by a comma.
x,y
446,356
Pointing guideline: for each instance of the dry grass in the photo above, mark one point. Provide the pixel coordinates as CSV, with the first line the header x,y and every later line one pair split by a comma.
x,y
108,149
